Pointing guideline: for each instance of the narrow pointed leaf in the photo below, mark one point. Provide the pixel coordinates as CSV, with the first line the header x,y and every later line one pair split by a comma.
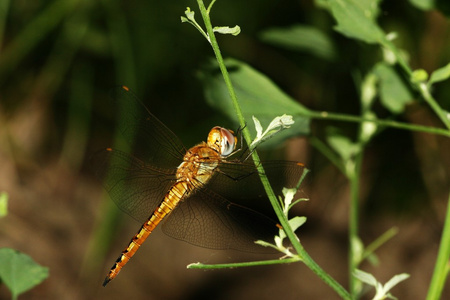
x,y
365,277
296,222
440,74
394,281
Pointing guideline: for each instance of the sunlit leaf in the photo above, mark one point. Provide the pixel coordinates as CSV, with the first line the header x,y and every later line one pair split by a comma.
x,y
257,95
19,272
301,38
423,4
278,124
190,18
365,277
258,127
440,74
296,222
357,19
288,197
264,244
394,281
227,30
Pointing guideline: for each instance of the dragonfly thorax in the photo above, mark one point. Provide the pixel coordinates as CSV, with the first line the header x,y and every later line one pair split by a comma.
x,y
198,164
200,161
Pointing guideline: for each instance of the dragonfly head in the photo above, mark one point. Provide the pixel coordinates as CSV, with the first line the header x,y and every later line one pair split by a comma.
x,y
222,140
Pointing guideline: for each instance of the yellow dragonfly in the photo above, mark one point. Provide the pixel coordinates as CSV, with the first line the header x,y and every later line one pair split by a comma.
x,y
205,195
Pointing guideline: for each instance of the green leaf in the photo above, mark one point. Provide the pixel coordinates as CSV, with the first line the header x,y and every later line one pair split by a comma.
x,y
227,30
258,127
190,18
394,281
278,124
189,14
423,4
440,74
372,258
3,204
288,197
265,244
296,222
342,145
301,38
365,277
393,91
257,95
356,19
19,272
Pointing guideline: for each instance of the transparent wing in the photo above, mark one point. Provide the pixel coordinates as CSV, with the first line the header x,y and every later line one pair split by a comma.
x,y
208,220
240,183
155,143
232,210
135,187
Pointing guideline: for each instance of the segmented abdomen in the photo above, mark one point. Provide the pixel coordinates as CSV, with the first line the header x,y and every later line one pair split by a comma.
x,y
176,193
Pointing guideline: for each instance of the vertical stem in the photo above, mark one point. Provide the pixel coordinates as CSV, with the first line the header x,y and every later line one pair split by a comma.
x,y
353,176
424,89
442,267
282,218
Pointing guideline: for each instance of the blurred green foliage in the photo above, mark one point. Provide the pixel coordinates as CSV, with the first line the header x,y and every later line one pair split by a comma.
x,y
19,272
67,55
62,57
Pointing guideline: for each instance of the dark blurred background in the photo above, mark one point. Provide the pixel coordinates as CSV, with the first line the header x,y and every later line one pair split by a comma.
x,y
60,59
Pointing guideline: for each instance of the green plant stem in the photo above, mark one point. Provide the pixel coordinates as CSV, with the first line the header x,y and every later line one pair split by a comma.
x,y
381,240
353,173
388,123
244,264
424,90
442,267
283,220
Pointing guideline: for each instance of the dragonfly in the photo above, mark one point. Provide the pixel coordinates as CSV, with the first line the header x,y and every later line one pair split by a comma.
x,y
208,195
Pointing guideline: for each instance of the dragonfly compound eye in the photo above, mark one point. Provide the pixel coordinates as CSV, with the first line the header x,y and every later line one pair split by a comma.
x,y
222,140
228,142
